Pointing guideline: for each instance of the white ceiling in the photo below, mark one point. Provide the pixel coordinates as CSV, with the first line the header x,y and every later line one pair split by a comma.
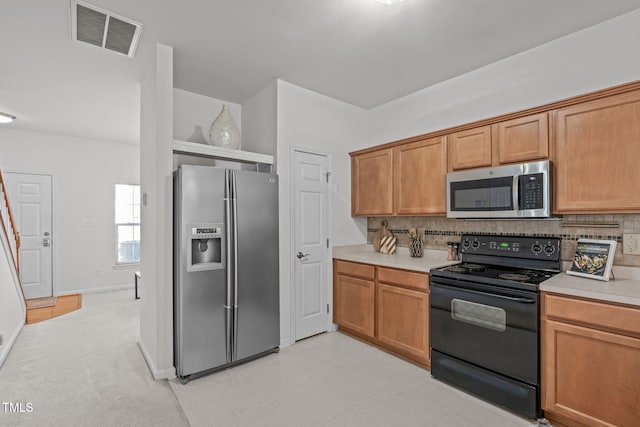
x,y
358,51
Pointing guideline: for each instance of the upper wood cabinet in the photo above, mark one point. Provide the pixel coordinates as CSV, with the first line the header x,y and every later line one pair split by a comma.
x,y
523,139
470,148
597,147
592,139
420,169
372,183
518,140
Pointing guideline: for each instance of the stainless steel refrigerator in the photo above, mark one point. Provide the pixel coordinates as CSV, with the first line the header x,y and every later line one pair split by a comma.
x,y
226,289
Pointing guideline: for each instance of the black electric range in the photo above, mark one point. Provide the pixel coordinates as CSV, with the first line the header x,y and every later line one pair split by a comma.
x,y
484,318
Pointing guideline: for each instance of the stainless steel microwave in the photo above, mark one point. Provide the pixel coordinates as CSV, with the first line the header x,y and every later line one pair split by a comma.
x,y
512,191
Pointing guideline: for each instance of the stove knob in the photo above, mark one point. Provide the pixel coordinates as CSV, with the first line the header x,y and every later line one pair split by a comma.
x,y
536,248
475,244
549,249
465,244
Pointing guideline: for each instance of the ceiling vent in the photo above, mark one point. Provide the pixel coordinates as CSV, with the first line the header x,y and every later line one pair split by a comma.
x,y
101,28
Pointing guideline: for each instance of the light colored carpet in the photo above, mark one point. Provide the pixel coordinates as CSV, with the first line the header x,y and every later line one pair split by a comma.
x,y
333,380
85,369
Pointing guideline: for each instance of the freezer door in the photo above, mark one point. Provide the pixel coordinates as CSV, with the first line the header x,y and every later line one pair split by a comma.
x,y
258,293
202,323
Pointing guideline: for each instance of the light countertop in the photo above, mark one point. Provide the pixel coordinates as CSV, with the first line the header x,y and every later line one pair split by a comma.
x,y
402,259
624,291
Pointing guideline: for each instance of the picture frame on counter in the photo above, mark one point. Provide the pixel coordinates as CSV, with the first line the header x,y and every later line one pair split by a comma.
x,y
593,259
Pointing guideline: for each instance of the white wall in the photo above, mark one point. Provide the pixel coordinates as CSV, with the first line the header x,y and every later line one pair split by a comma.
x,y
193,115
259,130
309,120
156,180
84,174
12,308
600,56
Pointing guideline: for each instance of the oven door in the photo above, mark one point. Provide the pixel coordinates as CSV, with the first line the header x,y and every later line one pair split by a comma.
x,y
488,326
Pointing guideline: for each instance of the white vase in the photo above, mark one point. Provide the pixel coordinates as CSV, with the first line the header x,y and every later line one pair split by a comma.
x,y
224,132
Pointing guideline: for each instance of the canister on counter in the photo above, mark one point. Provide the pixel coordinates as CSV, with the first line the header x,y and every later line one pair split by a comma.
x,y
453,253
450,256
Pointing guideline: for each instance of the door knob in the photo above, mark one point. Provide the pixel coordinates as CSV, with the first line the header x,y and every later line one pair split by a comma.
x,y
46,241
301,255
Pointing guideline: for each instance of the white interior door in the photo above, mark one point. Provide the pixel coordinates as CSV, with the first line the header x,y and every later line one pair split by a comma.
x,y
311,241
30,199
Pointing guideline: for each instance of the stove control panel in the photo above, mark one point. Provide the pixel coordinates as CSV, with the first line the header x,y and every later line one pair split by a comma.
x,y
547,248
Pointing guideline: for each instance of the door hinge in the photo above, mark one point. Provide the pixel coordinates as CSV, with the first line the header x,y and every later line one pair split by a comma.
x,y
327,175
327,308
327,243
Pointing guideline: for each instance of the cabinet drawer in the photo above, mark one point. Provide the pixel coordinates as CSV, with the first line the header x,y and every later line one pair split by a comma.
x,y
597,314
365,271
404,278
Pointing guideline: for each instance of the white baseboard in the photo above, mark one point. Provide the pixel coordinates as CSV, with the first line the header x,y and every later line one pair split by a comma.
x,y
285,342
158,374
7,346
96,290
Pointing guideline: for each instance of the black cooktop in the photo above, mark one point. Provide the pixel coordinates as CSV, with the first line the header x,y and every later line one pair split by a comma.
x,y
519,262
496,274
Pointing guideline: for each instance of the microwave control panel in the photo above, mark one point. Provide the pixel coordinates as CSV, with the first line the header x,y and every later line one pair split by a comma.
x,y
531,191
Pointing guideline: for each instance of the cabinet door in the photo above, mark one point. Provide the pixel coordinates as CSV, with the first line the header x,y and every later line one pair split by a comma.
x,y
523,139
403,321
420,172
372,183
470,148
354,304
590,376
596,152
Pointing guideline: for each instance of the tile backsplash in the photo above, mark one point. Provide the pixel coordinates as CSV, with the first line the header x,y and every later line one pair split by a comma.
x,y
437,231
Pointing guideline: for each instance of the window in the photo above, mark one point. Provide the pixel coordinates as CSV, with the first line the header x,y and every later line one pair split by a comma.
x,y
127,221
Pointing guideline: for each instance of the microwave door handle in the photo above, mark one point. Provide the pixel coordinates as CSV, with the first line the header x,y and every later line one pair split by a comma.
x,y
516,192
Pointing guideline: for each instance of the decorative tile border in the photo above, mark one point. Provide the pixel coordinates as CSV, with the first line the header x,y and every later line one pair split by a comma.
x,y
572,237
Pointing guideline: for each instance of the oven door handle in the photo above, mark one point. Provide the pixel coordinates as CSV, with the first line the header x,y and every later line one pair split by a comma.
x,y
521,300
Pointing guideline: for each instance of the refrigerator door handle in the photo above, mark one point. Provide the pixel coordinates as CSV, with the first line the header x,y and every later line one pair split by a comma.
x,y
228,308
235,265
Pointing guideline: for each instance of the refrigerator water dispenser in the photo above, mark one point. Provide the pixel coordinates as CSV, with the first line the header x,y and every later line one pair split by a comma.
x,y
205,247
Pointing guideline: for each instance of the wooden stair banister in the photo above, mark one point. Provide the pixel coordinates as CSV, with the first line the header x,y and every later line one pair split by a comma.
x,y
15,252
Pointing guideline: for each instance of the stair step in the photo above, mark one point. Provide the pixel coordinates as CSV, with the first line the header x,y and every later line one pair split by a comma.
x,y
63,305
40,302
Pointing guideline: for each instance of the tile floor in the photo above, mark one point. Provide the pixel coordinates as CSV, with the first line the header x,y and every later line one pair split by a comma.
x,y
332,380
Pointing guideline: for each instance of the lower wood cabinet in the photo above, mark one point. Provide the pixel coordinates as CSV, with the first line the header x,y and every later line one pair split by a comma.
x,y
354,297
590,362
354,304
388,307
403,321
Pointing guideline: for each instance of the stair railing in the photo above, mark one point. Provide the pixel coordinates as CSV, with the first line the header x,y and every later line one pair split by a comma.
x,y
6,217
